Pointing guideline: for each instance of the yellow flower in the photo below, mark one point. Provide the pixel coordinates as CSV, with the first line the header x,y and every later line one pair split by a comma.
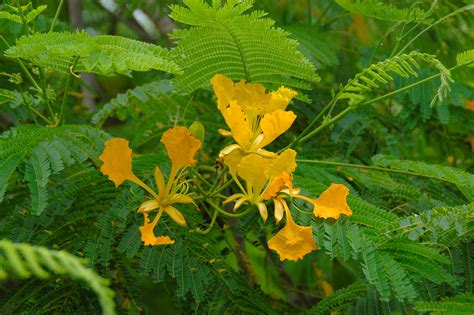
x,y
255,118
294,241
181,147
270,179
259,174
332,202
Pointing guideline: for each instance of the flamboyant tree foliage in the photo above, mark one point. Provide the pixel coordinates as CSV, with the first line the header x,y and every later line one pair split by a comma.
x,y
236,156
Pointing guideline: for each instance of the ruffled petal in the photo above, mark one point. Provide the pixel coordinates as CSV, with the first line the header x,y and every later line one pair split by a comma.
x,y
148,236
181,147
276,185
293,242
238,123
253,168
275,124
281,98
332,202
117,158
283,163
224,90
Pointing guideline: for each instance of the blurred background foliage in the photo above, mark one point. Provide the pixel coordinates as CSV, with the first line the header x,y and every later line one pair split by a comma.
x,y
407,249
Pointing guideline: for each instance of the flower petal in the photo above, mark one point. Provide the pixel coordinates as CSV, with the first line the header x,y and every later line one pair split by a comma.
x,y
281,98
237,121
181,147
262,209
232,160
293,242
253,168
332,202
224,90
148,236
276,185
160,181
148,206
275,124
117,158
175,215
283,163
278,209
180,198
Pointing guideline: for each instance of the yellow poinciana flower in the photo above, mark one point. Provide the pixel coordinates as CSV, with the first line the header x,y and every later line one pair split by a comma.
x,y
294,241
257,171
181,147
255,118
269,178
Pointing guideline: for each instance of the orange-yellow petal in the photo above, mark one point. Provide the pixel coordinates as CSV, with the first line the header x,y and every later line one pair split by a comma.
x,y
283,163
252,98
253,168
281,98
293,242
232,161
148,236
262,209
278,209
332,202
276,184
148,206
224,90
117,158
175,214
181,147
470,105
275,124
160,182
238,123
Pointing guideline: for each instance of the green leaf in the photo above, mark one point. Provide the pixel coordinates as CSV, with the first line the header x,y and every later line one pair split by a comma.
x,y
103,54
224,40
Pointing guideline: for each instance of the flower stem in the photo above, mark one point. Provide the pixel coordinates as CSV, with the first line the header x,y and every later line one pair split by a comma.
x,y
369,167
209,228
228,214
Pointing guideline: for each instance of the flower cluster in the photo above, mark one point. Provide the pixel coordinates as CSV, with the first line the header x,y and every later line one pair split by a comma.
x,y
181,147
255,119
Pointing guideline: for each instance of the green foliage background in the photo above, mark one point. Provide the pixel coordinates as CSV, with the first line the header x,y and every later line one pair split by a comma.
x,y
383,88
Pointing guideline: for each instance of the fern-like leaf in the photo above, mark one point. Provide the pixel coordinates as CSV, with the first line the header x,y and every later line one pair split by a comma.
x,y
341,299
103,54
25,261
242,47
404,65
383,11
45,151
463,180
314,44
23,14
458,305
466,57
